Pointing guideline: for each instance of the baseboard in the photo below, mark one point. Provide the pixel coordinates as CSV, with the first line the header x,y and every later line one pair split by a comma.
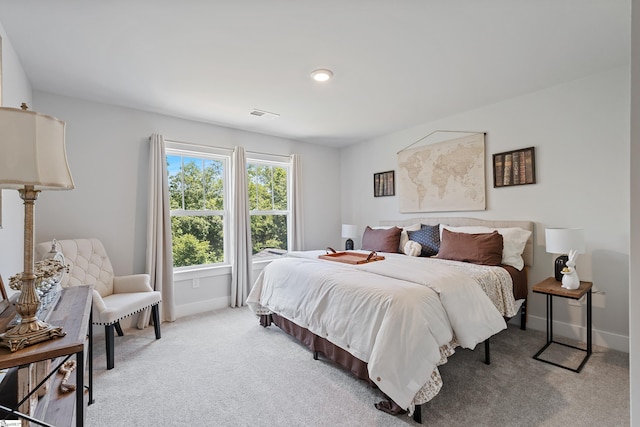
x,y
202,306
600,338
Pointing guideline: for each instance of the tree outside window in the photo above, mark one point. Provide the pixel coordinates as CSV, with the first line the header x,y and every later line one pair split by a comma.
x,y
197,203
198,194
269,207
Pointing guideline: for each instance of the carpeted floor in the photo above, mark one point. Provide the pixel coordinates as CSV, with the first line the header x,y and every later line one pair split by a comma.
x,y
223,369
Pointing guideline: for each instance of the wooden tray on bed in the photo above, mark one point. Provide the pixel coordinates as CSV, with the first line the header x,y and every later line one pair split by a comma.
x,y
352,257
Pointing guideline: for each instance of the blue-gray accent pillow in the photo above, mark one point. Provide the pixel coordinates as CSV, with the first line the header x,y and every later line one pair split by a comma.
x,y
429,238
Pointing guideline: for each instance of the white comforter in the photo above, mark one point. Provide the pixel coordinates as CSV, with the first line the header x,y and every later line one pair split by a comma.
x,y
393,314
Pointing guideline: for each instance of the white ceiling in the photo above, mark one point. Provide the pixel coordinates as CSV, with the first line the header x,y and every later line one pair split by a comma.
x,y
396,63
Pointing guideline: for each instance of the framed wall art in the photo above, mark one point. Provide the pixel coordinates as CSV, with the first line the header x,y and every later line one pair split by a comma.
x,y
517,167
384,184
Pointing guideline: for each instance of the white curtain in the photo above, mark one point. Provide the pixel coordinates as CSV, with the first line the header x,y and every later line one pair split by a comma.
x,y
241,231
297,232
159,252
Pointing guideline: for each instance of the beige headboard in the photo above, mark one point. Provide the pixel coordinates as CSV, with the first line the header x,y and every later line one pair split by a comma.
x,y
527,255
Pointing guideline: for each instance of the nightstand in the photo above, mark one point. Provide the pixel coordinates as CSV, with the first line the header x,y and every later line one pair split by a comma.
x,y
551,287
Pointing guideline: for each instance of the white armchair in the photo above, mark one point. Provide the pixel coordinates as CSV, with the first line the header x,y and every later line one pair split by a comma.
x,y
114,298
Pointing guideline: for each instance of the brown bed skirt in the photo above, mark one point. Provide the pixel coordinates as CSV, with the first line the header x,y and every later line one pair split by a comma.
x,y
318,344
334,353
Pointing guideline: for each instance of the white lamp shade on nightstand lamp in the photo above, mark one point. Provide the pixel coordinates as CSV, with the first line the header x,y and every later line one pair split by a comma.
x,y
562,241
349,231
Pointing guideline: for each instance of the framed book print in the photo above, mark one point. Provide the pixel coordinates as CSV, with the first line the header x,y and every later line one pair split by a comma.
x,y
383,184
517,167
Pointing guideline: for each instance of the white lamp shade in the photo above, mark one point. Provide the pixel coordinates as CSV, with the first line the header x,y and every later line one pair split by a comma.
x,y
349,231
32,151
562,240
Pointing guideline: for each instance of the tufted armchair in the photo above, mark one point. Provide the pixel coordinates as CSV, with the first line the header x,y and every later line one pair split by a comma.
x,y
114,298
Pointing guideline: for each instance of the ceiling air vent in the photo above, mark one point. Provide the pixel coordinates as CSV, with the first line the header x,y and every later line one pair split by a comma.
x,y
264,114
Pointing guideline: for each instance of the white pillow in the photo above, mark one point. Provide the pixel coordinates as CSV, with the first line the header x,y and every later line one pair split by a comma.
x,y
404,236
514,240
412,248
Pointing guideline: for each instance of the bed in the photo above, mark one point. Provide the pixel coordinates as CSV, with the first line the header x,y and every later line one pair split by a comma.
x,y
353,313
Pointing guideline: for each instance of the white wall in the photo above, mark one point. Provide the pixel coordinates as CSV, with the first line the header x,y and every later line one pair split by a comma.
x,y
634,291
15,90
107,148
580,133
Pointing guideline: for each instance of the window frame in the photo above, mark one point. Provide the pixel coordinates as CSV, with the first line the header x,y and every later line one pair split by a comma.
x,y
274,161
173,148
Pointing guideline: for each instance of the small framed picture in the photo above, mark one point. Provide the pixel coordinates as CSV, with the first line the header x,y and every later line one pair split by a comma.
x,y
517,167
384,184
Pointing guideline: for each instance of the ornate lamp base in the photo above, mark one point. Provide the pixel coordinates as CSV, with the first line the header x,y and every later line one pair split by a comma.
x,y
30,330
26,334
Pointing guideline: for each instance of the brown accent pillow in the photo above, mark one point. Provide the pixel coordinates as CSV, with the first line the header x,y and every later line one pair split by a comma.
x,y
483,248
381,239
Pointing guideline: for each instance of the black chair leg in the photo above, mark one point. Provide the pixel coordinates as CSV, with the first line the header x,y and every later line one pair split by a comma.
x,y
487,354
155,314
108,333
118,329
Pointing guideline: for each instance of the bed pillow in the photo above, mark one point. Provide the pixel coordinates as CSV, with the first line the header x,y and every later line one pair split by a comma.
x,y
429,238
483,248
381,239
514,241
404,236
412,248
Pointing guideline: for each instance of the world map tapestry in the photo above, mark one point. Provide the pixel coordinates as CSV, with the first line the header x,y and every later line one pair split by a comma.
x,y
445,176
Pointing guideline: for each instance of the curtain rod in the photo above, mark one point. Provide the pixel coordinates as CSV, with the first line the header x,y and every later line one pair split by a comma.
x,y
227,149
191,144
270,154
440,131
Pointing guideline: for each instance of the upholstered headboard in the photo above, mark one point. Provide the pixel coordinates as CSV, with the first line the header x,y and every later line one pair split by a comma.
x,y
527,255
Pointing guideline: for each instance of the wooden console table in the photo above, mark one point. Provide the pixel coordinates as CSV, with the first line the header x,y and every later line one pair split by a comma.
x,y
73,313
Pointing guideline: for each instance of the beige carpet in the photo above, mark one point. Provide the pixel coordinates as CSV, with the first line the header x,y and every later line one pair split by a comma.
x,y
224,369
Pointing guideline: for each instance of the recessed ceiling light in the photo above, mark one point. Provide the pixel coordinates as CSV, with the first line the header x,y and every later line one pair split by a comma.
x,y
322,75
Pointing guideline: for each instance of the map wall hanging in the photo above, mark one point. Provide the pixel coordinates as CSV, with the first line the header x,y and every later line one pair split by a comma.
x,y
444,176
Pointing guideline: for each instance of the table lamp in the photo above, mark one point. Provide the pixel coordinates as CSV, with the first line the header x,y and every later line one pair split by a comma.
x,y
32,159
561,241
349,231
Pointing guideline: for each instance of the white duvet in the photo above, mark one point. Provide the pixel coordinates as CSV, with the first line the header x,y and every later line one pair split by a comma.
x,y
393,314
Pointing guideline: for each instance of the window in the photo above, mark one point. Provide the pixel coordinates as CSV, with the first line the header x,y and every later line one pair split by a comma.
x,y
269,207
198,194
